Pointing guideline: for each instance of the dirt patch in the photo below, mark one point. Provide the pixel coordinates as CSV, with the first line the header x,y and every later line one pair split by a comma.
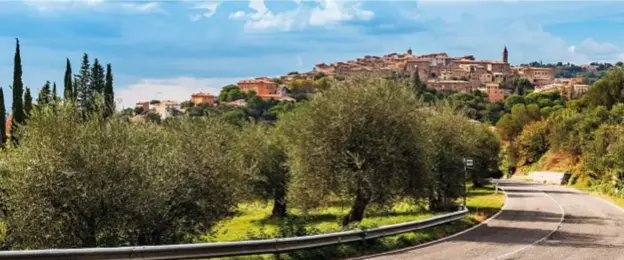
x,y
558,161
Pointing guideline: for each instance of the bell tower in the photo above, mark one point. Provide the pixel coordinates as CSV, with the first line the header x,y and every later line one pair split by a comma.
x,y
505,55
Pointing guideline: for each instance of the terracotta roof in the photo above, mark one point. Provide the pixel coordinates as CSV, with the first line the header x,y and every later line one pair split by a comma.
x,y
202,94
260,80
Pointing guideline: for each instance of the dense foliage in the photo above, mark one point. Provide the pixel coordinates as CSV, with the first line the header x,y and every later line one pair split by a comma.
x,y
589,130
88,183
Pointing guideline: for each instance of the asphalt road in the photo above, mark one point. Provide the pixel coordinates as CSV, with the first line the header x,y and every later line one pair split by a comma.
x,y
538,222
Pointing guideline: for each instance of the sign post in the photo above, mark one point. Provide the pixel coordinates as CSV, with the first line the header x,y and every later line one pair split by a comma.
x,y
468,164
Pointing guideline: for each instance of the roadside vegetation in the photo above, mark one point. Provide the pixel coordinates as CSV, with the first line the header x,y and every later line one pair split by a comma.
x,y
366,151
584,138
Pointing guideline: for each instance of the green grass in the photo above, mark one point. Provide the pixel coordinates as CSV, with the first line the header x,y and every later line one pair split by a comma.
x,y
2,230
482,203
256,217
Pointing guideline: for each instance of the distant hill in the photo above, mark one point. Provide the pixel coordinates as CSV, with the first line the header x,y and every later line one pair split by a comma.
x,y
590,72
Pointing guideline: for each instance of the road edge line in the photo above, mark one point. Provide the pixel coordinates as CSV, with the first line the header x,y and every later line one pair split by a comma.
x,y
543,238
441,239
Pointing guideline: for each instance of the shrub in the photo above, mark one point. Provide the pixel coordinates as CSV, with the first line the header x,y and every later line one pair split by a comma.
x,y
532,143
93,183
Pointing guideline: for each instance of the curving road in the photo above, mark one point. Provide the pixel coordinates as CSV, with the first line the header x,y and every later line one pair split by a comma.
x,y
538,222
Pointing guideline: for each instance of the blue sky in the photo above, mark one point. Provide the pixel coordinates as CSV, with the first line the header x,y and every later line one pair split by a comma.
x,y
170,49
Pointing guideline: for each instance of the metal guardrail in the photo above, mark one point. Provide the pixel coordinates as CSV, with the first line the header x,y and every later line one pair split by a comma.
x,y
222,249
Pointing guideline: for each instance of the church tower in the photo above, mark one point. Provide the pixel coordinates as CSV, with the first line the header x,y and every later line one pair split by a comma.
x,y
505,55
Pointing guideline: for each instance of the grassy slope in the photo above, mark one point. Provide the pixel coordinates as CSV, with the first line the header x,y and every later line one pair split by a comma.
x,y
482,202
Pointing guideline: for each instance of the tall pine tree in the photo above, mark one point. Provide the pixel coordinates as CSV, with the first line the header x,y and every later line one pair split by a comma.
x,y
18,88
2,119
68,92
109,95
83,86
44,97
28,105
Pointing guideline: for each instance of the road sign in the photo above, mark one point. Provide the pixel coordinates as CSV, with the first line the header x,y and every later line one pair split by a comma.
x,y
469,162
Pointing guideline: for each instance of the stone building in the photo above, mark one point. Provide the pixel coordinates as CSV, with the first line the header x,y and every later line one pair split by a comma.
x,y
539,77
202,97
494,92
262,86
145,105
572,88
450,85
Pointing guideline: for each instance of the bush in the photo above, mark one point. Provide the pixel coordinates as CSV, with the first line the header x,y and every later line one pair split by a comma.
x,y
92,183
532,143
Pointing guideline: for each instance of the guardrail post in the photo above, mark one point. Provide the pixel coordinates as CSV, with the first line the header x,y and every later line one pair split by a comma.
x,y
496,187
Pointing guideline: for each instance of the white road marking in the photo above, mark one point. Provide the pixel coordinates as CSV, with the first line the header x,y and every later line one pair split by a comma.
x,y
543,238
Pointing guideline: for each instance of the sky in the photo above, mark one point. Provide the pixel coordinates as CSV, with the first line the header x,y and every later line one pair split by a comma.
x,y
171,49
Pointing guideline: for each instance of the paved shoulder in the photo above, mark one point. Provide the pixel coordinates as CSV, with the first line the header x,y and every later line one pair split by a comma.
x,y
529,216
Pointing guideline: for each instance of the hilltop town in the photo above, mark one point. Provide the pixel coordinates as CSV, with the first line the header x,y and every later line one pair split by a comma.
x,y
438,71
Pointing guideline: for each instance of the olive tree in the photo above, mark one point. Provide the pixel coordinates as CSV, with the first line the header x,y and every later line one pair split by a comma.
x,y
359,141
260,156
449,134
486,152
77,182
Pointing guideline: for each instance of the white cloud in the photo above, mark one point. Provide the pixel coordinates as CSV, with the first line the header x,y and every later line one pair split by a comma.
x,y
332,11
99,5
238,15
590,46
179,88
208,8
329,12
299,61
150,7
264,19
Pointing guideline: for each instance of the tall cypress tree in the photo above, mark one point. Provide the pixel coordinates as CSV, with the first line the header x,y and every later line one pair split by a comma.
x,y
53,96
83,86
18,88
97,78
28,105
68,92
2,118
109,95
44,97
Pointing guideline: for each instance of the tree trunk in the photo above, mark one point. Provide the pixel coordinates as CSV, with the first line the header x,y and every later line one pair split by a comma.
x,y
476,181
279,205
359,207
440,203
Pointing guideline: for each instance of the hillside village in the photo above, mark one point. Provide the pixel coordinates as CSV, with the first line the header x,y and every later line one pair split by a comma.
x,y
438,71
